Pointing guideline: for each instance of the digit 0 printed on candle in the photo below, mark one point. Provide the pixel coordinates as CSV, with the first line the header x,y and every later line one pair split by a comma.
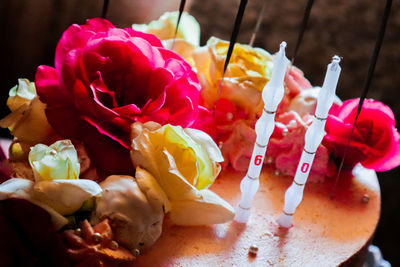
x,y
305,167
313,137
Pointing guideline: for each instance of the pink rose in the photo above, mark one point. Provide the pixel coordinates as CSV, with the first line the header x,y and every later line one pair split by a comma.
x,y
284,148
295,82
106,78
375,142
287,143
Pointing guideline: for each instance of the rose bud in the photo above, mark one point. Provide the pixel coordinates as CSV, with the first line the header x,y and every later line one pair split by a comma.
x,y
57,161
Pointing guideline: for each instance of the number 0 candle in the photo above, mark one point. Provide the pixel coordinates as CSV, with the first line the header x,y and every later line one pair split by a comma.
x,y
272,95
313,137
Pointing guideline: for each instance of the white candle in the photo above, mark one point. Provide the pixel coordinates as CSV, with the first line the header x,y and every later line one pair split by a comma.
x,y
313,137
272,95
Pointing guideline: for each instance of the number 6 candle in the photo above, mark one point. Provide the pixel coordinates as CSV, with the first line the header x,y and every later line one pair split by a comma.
x,y
272,95
313,137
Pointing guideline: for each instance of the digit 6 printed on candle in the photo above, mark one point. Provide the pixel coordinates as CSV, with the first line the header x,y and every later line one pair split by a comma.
x,y
272,95
258,160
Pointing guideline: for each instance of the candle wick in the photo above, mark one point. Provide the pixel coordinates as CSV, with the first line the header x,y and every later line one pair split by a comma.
x,y
336,59
335,62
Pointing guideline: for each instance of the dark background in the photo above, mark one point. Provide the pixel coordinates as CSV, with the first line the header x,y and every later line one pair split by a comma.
x,y
30,29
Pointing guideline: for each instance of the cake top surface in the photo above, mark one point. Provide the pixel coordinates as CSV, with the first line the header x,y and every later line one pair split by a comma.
x,y
326,230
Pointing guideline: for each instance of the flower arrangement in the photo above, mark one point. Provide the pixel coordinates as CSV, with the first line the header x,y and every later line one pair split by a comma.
x,y
123,132
103,136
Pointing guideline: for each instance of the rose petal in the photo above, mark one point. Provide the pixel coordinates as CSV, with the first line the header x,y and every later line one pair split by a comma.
x,y
103,94
76,36
129,111
205,122
152,39
107,118
98,143
60,110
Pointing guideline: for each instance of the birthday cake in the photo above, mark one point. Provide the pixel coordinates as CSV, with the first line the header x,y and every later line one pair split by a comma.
x,y
131,149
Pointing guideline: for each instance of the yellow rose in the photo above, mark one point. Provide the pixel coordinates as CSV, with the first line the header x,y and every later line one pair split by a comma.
x,y
187,36
181,163
57,161
27,121
164,27
248,71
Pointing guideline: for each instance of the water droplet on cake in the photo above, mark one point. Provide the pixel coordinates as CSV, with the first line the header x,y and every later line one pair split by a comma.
x,y
136,252
97,238
285,131
365,199
114,245
229,116
277,173
269,160
78,231
253,249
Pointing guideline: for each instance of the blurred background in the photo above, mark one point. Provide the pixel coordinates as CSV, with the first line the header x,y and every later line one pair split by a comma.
x,y
30,30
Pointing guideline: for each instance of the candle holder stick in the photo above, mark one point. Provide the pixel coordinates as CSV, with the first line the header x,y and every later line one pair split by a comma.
x,y
258,23
232,42
105,9
303,28
366,86
181,8
313,137
272,95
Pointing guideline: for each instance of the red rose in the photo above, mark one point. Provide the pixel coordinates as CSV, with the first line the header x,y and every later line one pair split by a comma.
x,y
106,78
375,142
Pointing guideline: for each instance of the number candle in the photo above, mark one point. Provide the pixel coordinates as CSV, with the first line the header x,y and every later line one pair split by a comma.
x,y
313,137
272,96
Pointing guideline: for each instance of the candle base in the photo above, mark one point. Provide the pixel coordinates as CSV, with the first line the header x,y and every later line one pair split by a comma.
x,y
242,215
285,220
